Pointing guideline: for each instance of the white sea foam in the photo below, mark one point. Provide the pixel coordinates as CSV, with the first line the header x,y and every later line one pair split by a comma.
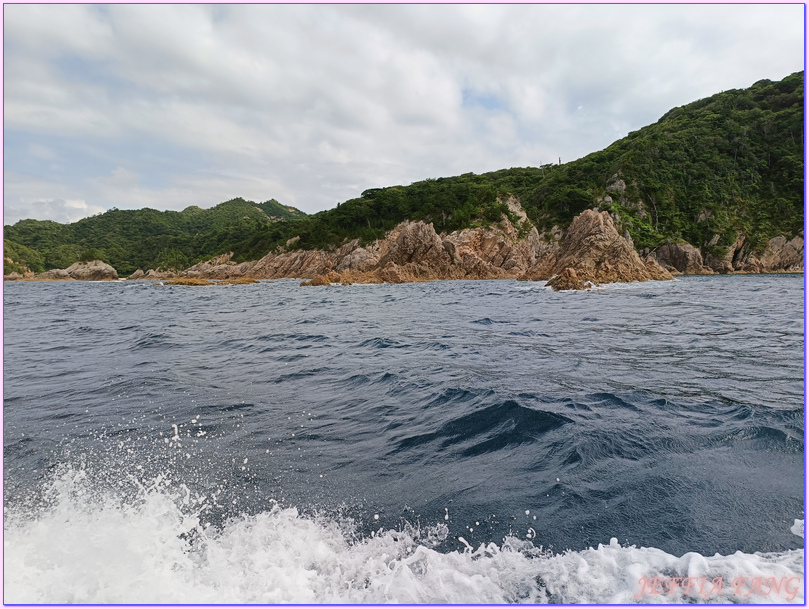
x,y
153,550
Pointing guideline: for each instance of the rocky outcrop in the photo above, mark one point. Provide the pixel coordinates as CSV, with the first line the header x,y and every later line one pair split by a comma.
x,y
681,258
413,251
95,270
55,275
780,254
152,274
590,252
325,279
359,259
417,243
221,267
724,263
593,252
20,270
568,279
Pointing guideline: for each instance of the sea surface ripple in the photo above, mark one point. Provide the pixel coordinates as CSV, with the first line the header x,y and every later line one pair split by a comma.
x,y
664,414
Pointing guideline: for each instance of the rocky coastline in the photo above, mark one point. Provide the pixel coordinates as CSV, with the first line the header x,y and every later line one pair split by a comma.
x,y
590,252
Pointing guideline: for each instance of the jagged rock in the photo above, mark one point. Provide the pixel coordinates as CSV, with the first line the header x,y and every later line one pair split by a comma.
x,y
724,263
12,276
95,270
359,259
55,274
568,279
220,267
417,242
680,257
152,274
393,273
325,279
157,275
301,263
782,255
598,254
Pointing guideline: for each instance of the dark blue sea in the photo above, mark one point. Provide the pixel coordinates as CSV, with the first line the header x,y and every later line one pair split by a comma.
x,y
439,442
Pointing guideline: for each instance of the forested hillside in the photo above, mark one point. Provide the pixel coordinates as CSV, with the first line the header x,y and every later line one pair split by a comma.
x,y
728,164
143,238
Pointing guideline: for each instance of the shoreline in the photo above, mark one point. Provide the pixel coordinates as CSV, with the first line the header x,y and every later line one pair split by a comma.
x,y
217,281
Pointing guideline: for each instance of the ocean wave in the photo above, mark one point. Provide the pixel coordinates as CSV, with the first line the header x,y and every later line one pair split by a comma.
x,y
489,429
95,547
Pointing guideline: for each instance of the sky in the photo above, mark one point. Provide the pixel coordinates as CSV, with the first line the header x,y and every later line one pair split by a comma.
x,y
160,106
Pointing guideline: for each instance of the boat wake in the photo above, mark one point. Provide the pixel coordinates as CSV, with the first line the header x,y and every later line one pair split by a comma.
x,y
82,545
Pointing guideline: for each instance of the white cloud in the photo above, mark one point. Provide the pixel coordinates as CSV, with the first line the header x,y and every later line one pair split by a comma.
x,y
196,104
59,210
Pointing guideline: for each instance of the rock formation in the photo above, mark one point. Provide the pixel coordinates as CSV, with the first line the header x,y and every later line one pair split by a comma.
x,y
590,252
95,270
412,251
595,252
779,255
681,258
55,275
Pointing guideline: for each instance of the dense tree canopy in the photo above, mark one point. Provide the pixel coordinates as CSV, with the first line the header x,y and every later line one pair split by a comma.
x,y
143,238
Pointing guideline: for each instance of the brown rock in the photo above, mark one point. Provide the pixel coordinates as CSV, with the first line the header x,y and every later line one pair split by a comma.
x,y
417,242
598,254
55,274
782,255
359,259
325,279
158,275
95,270
681,257
723,263
568,279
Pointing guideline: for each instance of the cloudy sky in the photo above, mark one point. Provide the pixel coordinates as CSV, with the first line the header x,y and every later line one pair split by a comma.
x,y
170,106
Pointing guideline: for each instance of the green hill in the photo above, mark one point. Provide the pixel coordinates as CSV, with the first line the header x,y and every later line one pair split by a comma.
x,y
730,163
143,238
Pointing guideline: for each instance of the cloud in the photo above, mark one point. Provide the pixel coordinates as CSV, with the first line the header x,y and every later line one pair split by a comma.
x,y
60,210
195,104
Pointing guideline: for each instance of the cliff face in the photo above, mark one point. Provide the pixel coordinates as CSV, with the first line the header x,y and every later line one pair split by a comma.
x,y
594,253
412,251
779,255
590,252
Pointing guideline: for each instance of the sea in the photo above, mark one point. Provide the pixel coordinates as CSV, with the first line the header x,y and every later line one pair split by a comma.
x,y
464,442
